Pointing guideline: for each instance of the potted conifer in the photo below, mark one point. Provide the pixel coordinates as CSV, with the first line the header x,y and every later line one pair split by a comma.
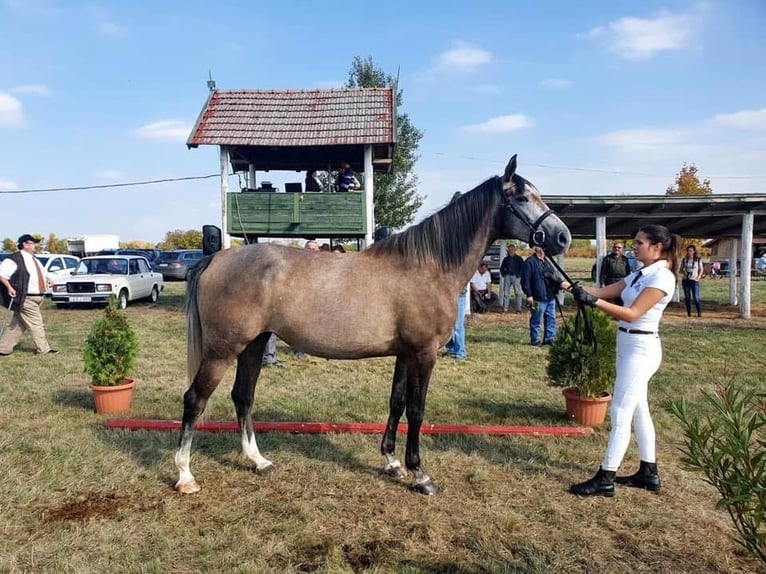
x,y
109,357
585,370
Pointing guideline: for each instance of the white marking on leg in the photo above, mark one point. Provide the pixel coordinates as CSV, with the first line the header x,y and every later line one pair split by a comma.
x,y
186,482
250,449
391,463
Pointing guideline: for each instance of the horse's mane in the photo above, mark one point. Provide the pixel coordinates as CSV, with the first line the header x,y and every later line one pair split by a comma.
x,y
446,236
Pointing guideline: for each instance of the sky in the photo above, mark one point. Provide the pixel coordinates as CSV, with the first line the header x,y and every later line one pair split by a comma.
x,y
600,97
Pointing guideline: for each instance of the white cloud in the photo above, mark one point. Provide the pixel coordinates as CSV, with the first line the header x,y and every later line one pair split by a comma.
x,y
643,38
6,185
169,130
501,124
11,113
36,89
463,57
746,119
104,25
641,140
556,84
486,89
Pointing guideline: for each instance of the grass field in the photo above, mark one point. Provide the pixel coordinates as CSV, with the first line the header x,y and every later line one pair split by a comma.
x,y
79,498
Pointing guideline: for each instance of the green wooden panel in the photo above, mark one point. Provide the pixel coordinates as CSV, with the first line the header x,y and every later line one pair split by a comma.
x,y
296,214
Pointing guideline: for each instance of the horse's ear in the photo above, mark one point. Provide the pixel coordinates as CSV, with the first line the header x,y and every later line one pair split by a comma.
x,y
510,169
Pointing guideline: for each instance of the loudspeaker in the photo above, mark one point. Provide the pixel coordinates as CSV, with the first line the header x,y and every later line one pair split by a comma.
x,y
381,233
211,239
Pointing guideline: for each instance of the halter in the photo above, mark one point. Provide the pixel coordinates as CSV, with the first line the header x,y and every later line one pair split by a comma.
x,y
537,234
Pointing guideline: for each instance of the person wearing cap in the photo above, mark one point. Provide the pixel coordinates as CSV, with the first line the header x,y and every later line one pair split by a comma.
x,y
510,273
22,286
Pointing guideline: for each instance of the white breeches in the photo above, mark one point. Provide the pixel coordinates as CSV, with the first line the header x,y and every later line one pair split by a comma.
x,y
638,358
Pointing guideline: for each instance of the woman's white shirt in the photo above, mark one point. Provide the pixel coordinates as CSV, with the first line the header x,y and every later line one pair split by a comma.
x,y
656,275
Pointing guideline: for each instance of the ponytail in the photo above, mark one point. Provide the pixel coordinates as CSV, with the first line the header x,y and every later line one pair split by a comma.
x,y
670,242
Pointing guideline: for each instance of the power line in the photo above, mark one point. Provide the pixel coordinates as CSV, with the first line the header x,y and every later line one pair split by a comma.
x,y
113,185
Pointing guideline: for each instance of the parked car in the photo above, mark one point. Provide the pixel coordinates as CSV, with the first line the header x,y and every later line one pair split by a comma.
x,y
628,253
176,264
58,265
128,277
493,258
150,254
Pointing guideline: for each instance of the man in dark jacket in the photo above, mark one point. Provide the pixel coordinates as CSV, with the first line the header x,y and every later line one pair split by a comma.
x,y
540,280
510,276
22,285
614,267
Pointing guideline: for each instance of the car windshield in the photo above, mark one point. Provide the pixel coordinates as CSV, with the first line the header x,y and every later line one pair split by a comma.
x,y
168,257
43,259
102,266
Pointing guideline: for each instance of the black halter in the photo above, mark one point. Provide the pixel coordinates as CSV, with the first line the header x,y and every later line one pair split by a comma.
x,y
536,234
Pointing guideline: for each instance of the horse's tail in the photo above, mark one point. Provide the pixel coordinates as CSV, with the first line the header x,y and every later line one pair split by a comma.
x,y
193,324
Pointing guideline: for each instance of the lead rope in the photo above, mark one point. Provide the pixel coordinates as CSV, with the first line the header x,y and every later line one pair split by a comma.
x,y
582,333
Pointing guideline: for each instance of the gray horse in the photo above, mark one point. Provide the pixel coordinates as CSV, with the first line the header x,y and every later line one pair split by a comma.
x,y
351,307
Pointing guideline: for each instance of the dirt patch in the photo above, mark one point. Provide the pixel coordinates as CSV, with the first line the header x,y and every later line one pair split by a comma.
x,y
97,505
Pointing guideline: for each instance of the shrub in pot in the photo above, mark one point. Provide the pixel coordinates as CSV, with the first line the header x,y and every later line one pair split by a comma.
x,y
109,357
585,370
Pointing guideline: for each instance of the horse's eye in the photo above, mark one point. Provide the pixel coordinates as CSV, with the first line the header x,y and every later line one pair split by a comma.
x,y
521,198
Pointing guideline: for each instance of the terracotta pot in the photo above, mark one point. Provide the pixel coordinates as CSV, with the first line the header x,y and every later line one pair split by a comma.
x,y
112,400
585,411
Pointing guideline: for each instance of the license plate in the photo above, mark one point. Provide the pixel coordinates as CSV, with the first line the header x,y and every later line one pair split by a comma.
x,y
162,265
80,299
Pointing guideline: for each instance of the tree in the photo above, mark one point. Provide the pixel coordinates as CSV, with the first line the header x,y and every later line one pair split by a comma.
x,y
688,183
396,199
56,245
9,244
179,239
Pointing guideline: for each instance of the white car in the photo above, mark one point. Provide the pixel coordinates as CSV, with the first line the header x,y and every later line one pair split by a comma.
x,y
58,265
127,277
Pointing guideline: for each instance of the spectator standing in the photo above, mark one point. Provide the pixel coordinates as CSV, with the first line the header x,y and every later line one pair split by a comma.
x,y
312,181
614,267
481,290
510,276
539,281
346,179
691,271
456,345
23,285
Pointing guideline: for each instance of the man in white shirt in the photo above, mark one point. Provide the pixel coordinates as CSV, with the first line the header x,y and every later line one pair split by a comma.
x,y
22,288
481,290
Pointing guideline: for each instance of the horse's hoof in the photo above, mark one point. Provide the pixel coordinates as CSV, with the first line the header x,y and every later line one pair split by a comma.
x,y
266,470
428,488
188,487
394,473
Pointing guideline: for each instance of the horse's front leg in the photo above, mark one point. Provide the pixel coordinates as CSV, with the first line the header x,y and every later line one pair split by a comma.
x,y
195,399
393,468
418,377
243,393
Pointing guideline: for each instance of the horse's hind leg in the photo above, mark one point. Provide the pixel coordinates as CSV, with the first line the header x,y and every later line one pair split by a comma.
x,y
393,468
418,377
243,393
195,399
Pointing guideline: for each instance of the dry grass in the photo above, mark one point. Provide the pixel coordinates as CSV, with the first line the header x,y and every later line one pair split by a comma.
x,y
79,498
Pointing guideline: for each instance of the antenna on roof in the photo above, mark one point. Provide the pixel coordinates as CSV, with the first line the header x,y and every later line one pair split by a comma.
x,y
210,81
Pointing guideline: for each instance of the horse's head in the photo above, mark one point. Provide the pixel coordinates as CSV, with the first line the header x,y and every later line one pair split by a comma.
x,y
525,215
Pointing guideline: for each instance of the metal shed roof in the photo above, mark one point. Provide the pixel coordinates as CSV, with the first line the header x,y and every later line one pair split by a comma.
x,y
688,215
299,129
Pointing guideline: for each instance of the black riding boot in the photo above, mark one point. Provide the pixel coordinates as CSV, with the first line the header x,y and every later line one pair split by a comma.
x,y
647,477
602,484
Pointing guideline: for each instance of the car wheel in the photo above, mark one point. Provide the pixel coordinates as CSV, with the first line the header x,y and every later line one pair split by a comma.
x,y
154,295
122,299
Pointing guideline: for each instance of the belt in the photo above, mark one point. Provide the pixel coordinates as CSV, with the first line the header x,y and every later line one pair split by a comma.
x,y
636,331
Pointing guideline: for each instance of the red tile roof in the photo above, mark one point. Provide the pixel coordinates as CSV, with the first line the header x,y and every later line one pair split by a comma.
x,y
353,116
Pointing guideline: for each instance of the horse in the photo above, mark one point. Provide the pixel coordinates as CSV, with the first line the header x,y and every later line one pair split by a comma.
x,y
237,298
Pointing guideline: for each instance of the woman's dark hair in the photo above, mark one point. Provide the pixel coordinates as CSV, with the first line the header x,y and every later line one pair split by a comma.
x,y
670,242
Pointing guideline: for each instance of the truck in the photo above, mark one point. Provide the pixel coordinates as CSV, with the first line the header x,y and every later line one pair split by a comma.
x,y
83,245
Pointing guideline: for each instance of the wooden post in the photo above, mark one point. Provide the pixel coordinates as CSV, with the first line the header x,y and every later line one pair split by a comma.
x,y
224,194
733,271
747,261
600,245
369,189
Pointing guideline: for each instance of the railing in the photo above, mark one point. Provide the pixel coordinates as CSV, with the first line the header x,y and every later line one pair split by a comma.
x,y
268,214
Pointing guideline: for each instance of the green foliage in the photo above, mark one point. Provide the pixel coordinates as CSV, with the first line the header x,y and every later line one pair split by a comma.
x,y
728,447
688,183
9,245
56,245
396,198
590,369
111,347
179,239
